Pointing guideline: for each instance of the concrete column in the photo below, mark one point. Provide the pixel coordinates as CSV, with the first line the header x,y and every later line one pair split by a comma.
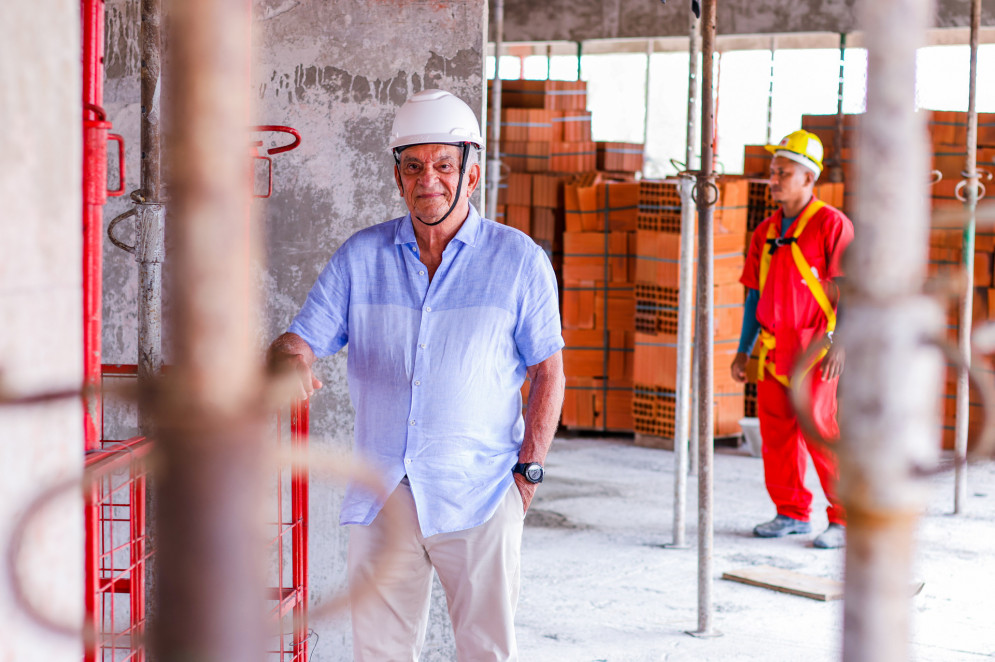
x,y
41,308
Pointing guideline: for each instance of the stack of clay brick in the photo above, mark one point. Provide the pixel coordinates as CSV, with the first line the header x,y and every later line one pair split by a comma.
x,y
544,130
948,131
555,187
598,302
656,292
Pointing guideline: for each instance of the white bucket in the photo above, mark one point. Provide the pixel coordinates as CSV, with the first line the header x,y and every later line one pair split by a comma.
x,y
751,431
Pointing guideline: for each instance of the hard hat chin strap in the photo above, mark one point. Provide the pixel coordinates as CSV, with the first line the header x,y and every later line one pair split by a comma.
x,y
459,188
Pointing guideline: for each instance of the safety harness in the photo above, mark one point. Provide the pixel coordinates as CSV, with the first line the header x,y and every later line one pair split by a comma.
x,y
773,242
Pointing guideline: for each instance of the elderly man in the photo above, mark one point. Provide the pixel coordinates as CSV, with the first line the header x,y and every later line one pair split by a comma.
x,y
790,272
445,313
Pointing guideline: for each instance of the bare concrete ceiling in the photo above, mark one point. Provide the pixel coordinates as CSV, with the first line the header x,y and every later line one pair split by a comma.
x,y
582,20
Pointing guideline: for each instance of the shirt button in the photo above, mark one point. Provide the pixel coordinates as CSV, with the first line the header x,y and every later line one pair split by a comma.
x,y
417,382
407,461
428,309
422,345
421,273
411,422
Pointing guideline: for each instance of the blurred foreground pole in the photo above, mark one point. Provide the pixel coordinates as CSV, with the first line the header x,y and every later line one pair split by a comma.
x,y
210,535
889,423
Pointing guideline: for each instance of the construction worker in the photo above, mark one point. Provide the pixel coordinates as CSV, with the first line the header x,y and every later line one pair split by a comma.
x,y
444,313
790,273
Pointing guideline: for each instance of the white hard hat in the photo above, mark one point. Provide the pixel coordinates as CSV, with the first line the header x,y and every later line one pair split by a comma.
x,y
434,116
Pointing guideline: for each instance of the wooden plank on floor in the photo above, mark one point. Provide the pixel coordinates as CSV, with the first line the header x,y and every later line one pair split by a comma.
x,y
788,581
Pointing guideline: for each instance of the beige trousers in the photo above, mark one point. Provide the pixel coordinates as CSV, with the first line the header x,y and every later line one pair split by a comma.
x,y
478,568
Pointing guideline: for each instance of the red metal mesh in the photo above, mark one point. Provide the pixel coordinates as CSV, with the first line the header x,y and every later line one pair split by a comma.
x,y
289,544
116,549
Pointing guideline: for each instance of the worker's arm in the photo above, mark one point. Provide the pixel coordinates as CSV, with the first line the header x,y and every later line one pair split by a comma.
x,y
291,352
832,363
747,335
542,415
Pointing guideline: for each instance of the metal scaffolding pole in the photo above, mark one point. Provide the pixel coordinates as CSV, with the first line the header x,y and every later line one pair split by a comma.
x,y
210,468
647,88
150,253
770,92
150,211
836,163
706,194
889,423
685,302
494,148
971,192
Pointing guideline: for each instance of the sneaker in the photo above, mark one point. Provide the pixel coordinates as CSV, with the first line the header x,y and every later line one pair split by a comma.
x,y
833,537
781,525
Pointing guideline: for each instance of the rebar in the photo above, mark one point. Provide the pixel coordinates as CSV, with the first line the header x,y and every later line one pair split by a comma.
x,y
494,148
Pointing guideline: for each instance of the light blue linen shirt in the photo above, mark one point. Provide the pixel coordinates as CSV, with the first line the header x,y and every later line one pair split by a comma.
x,y
435,368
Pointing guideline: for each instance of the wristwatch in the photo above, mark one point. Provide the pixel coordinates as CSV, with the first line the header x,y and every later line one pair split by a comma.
x,y
532,471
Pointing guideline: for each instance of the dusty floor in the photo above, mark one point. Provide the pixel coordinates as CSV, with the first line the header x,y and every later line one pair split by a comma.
x,y
597,583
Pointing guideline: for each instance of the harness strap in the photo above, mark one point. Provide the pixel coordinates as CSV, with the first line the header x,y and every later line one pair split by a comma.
x,y
773,242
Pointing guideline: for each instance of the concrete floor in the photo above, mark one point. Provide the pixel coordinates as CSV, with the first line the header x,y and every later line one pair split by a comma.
x,y
597,584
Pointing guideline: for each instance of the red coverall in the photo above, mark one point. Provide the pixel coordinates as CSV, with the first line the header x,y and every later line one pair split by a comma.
x,y
788,310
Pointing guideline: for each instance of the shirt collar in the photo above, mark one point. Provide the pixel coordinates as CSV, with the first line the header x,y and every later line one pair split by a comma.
x,y
468,233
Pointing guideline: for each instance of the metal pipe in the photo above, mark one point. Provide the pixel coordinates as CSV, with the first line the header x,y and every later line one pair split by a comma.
x,y
685,303
92,16
580,53
149,254
211,474
694,53
685,310
706,199
967,298
770,92
892,381
92,23
836,164
647,87
149,223
494,148
693,138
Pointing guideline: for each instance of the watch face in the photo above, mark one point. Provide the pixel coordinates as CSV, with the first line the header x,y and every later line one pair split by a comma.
x,y
534,472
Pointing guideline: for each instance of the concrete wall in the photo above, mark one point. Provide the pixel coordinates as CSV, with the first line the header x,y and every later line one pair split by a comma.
x,y
336,71
526,20
41,344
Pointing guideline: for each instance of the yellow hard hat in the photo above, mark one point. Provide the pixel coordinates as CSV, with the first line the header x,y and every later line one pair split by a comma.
x,y
801,147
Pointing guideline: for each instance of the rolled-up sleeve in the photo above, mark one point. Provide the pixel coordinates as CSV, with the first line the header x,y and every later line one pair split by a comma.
x,y
323,321
538,333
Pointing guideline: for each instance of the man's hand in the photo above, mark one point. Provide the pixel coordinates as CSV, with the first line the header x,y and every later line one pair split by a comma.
x,y
289,353
832,363
738,367
526,489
